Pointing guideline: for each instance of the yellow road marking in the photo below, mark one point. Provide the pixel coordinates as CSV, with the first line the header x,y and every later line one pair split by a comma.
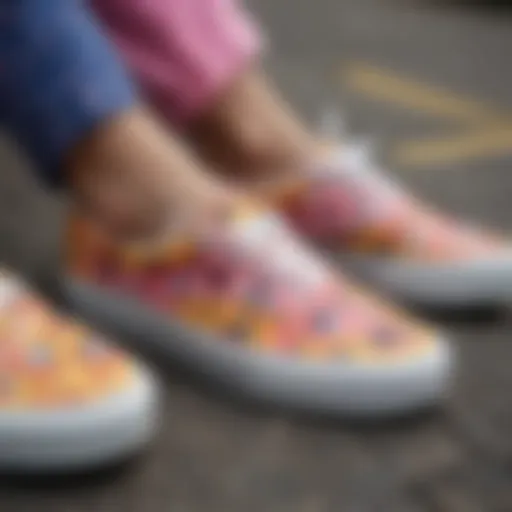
x,y
482,143
488,132
388,87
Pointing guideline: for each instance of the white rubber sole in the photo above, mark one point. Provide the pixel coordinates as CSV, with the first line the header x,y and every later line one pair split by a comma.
x,y
471,284
340,388
79,439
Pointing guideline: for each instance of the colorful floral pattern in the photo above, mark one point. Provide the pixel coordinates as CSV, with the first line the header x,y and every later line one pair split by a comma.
x,y
364,212
267,294
47,361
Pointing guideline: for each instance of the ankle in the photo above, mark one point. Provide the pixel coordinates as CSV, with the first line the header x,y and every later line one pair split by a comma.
x,y
135,181
250,132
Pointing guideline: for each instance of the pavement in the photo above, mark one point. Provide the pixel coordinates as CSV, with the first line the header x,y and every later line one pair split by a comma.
x,y
430,82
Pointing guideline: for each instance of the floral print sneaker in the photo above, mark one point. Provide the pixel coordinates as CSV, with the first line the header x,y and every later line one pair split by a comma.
x,y
248,306
68,400
392,240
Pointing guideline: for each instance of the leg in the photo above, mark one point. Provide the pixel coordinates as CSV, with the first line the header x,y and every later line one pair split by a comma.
x,y
338,201
197,63
136,180
252,134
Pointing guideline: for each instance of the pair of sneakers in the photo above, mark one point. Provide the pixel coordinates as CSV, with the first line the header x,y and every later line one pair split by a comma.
x,y
251,307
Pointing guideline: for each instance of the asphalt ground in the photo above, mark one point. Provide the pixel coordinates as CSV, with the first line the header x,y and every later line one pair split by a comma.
x,y
431,81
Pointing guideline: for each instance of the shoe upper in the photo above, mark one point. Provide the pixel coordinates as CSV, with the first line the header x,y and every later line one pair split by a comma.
x,y
253,284
347,204
48,361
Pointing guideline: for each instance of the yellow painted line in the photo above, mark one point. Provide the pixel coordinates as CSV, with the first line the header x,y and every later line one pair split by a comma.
x,y
484,143
385,86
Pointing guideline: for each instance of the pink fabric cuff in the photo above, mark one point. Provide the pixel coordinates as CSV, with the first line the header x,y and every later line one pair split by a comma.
x,y
183,53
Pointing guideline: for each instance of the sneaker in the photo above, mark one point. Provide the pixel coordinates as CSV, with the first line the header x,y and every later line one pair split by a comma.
x,y
392,241
248,306
68,400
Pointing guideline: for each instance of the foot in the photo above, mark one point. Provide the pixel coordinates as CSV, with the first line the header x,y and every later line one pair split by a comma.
x,y
392,240
68,401
248,306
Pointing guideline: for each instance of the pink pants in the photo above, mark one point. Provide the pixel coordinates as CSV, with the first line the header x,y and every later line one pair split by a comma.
x,y
183,53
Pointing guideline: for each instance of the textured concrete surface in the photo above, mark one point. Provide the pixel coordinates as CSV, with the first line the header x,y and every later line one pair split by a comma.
x,y
213,455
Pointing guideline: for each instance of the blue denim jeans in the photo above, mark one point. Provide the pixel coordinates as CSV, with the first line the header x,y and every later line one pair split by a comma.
x,y
59,78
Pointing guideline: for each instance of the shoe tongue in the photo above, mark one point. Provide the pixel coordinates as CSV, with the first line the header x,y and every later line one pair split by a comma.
x,y
267,238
